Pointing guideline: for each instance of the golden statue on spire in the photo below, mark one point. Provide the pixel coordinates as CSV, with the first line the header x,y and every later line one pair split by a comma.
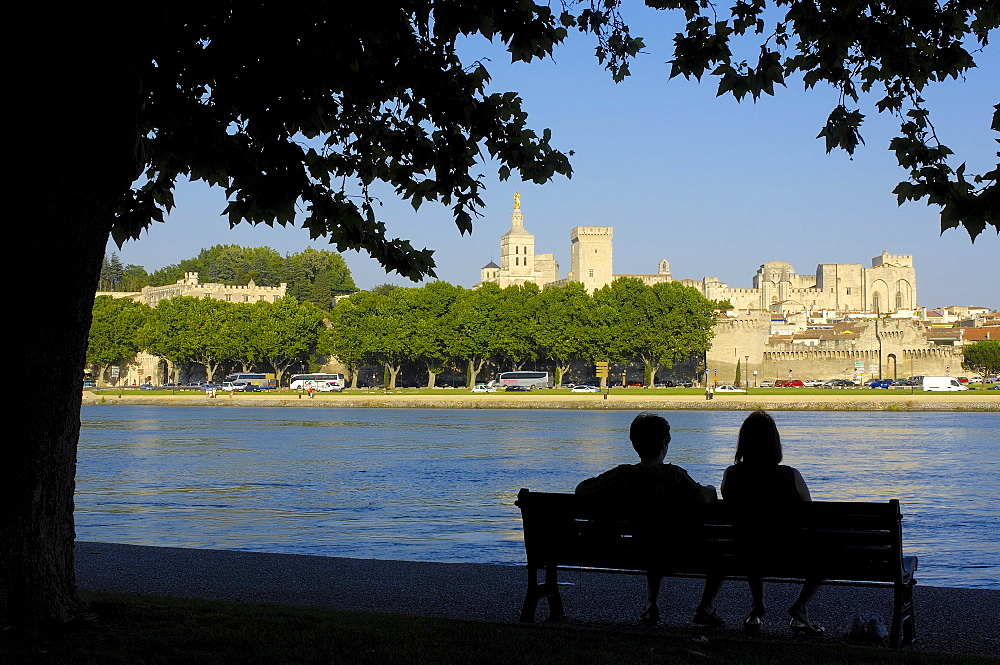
x,y
517,201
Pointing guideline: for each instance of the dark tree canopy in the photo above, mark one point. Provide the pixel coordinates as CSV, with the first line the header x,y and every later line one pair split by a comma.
x,y
881,52
297,108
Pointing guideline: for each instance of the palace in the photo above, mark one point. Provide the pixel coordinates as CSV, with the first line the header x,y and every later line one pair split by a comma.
x,y
843,321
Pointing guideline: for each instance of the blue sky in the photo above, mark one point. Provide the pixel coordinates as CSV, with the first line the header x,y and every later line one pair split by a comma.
x,y
714,186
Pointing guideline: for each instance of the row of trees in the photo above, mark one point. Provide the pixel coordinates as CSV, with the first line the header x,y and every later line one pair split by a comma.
x,y
435,327
211,333
440,325
312,275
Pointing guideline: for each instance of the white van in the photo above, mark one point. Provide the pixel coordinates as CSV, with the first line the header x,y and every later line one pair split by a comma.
x,y
942,383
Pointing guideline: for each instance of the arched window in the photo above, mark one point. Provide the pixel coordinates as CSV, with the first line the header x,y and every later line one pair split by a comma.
x,y
899,300
876,303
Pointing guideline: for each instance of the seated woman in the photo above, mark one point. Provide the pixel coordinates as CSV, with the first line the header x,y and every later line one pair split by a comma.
x,y
763,490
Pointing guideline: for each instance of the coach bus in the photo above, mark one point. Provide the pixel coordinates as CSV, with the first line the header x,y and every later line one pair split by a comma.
x,y
530,380
320,382
266,381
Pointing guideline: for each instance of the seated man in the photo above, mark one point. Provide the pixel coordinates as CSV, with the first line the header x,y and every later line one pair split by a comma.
x,y
669,492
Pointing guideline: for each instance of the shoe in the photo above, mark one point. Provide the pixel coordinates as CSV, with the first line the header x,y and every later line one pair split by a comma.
x,y
650,616
712,620
752,623
805,628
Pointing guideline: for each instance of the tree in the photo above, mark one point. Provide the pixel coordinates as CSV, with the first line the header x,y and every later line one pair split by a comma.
x,y
114,332
318,276
888,52
476,319
285,332
346,337
565,330
983,358
304,106
434,326
658,325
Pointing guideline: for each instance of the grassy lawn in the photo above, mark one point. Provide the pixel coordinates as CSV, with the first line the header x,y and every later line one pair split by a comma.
x,y
150,630
802,393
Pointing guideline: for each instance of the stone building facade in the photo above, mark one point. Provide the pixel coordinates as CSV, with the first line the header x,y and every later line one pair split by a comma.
x,y
780,300
190,286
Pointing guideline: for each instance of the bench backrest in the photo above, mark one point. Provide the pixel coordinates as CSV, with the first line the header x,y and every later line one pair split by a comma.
x,y
836,540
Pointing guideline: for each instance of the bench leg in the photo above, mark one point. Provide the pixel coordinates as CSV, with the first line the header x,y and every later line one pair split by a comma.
x,y
903,631
555,600
549,589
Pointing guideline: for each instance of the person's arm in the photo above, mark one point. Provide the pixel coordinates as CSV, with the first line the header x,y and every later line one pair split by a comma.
x,y
725,477
800,486
600,484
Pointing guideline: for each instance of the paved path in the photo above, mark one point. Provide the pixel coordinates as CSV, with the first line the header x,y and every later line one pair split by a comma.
x,y
947,619
638,400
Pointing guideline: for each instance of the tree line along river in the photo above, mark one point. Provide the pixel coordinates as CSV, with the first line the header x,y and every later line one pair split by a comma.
x,y
440,484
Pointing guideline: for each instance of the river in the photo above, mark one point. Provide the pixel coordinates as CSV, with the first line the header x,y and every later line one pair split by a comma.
x,y
440,484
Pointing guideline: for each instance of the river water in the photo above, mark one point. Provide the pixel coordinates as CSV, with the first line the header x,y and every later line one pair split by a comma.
x,y
440,484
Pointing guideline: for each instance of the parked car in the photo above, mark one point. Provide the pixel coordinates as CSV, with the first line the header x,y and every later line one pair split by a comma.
x,y
147,386
812,383
996,387
483,388
210,386
585,389
517,389
788,383
767,384
840,383
881,383
729,389
250,388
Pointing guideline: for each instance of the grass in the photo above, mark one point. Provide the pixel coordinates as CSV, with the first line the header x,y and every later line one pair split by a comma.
x,y
803,393
152,630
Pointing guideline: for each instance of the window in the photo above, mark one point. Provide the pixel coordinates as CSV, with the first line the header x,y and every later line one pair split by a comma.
x,y
848,290
591,273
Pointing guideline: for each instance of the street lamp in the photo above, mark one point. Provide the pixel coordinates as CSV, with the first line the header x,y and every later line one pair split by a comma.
x,y
746,371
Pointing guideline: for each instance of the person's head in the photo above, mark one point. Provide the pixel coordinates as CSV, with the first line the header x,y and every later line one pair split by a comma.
x,y
759,442
650,435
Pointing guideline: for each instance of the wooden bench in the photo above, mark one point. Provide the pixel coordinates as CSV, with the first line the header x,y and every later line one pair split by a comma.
x,y
849,544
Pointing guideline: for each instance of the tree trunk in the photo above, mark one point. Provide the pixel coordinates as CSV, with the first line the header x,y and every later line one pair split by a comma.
x,y
393,371
431,377
69,179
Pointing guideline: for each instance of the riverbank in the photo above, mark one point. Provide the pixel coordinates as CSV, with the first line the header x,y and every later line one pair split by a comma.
x,y
651,400
947,619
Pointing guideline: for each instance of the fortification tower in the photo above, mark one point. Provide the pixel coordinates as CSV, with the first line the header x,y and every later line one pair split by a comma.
x,y
891,283
591,256
517,249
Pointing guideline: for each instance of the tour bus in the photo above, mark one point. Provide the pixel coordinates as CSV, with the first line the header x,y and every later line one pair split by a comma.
x,y
321,382
530,380
265,381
